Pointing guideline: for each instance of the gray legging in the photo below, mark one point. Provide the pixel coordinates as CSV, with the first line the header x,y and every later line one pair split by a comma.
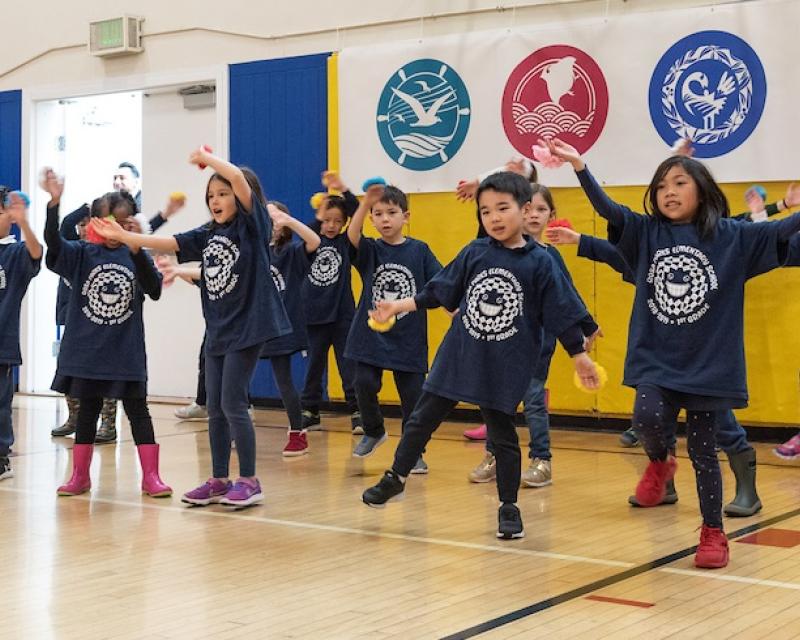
x,y
282,372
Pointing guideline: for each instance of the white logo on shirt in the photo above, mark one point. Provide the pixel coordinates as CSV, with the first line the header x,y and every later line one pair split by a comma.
x,y
494,301
393,281
108,291
681,277
219,258
277,278
325,268
2,278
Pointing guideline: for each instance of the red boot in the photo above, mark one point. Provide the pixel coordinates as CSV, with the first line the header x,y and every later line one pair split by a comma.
x,y
152,484
712,552
80,482
652,486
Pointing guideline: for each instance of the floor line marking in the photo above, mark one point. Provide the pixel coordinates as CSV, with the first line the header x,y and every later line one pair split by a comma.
x,y
733,578
205,512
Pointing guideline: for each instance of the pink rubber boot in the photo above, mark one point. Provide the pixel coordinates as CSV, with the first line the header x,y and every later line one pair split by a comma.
x,y
80,482
152,484
478,433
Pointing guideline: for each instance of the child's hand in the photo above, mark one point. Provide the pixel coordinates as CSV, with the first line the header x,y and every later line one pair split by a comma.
x,y
168,270
566,152
373,194
466,190
384,309
16,209
132,224
586,371
279,218
108,229
519,166
792,198
52,184
173,206
561,235
332,180
683,147
200,157
588,342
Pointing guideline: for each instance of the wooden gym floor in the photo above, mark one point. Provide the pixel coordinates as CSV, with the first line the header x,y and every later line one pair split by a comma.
x,y
314,562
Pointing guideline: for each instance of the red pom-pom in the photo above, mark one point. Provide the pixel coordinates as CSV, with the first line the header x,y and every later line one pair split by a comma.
x,y
560,222
92,235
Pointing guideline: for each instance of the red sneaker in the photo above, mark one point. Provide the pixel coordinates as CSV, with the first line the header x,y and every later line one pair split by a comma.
x,y
652,486
478,433
297,445
712,552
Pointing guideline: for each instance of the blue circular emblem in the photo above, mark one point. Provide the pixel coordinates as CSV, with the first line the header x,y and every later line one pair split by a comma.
x,y
423,114
709,87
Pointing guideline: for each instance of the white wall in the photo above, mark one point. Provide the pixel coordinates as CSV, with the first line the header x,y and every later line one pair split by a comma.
x,y
44,43
174,325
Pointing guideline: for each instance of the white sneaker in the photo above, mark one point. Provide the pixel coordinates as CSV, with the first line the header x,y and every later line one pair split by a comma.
x,y
192,412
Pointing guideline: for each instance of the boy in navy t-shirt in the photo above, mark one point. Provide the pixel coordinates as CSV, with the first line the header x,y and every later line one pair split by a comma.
x,y
393,266
508,291
19,263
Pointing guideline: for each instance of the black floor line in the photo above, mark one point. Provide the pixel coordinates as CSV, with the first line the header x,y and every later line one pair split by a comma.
x,y
549,603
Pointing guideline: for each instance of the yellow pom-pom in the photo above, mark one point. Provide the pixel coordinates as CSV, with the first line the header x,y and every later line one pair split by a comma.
x,y
602,374
177,195
381,327
316,200
328,176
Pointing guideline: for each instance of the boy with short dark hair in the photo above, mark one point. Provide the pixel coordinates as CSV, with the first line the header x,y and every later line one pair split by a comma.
x,y
508,290
391,267
19,263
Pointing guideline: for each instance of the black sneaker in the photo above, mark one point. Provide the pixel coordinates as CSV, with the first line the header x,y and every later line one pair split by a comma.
x,y
509,522
356,424
311,420
389,489
5,468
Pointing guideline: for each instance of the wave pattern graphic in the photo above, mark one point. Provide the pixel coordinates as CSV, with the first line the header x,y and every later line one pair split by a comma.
x,y
418,145
549,119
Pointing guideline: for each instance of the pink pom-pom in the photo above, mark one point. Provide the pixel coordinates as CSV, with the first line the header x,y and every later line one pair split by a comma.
x,y
543,156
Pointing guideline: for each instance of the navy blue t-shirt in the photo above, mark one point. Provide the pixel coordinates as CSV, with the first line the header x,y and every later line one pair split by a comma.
x,y
241,305
687,328
62,300
588,325
601,250
289,266
17,269
104,334
506,300
327,290
392,272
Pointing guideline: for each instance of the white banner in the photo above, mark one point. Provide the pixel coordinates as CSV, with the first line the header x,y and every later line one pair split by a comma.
x,y
425,114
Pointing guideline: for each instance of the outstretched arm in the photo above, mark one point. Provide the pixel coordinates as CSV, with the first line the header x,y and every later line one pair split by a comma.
x,y
147,275
19,215
134,241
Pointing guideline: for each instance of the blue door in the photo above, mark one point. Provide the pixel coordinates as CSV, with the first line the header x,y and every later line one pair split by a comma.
x,y
279,128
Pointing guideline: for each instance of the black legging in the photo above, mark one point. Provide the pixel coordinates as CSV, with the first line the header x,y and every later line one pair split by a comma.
x,y
651,414
136,410
282,372
200,398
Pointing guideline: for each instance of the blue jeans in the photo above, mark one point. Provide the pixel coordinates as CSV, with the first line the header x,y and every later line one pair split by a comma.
x,y
537,419
6,394
227,390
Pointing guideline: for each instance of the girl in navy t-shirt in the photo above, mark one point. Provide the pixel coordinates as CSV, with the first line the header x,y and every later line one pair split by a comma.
x,y
289,264
330,308
685,342
102,353
242,308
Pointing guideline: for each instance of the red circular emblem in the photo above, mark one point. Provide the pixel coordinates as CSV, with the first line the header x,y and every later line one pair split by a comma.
x,y
556,92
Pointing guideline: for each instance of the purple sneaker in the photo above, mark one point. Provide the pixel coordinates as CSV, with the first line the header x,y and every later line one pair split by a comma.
x,y
790,449
213,490
243,493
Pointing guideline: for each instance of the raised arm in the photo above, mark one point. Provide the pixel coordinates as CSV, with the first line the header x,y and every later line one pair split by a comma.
x,y
282,218
232,173
356,225
19,215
